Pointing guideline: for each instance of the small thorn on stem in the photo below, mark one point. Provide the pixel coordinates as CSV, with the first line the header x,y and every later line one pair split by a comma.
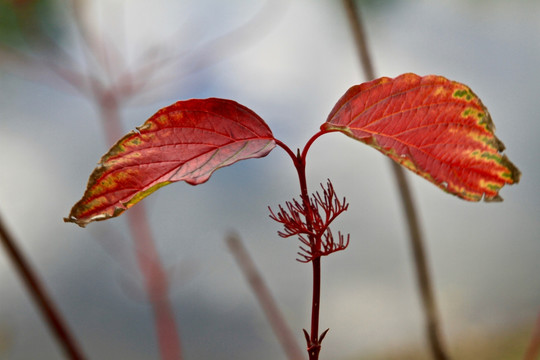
x,y
306,335
323,335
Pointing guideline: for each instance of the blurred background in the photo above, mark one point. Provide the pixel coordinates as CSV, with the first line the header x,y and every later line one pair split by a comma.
x,y
289,61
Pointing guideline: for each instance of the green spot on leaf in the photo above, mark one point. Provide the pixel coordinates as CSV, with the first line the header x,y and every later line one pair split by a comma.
x,y
489,156
463,93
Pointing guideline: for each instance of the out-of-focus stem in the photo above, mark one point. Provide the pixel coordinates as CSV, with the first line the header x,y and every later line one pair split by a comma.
x,y
39,295
109,111
265,298
155,278
415,235
422,270
156,282
533,349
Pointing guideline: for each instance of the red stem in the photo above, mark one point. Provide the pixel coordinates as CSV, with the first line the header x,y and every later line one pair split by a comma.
x,y
299,160
310,142
315,347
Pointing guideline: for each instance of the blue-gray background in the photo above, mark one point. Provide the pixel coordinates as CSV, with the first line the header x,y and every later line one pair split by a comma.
x,y
484,257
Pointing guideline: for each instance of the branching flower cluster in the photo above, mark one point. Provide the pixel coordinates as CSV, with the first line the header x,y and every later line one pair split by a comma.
x,y
312,223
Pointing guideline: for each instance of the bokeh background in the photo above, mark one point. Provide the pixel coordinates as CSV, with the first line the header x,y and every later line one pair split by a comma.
x,y
289,61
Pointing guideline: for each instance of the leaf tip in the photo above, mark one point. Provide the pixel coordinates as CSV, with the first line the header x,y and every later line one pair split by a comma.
x,y
496,198
73,219
82,222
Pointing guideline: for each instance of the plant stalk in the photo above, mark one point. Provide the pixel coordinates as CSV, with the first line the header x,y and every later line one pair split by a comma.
x,y
314,346
432,322
38,293
299,160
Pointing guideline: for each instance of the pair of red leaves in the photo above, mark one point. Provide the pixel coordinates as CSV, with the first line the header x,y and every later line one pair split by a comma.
x,y
433,126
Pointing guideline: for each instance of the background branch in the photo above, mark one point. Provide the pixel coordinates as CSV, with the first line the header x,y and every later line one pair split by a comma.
x,y
415,234
267,302
39,295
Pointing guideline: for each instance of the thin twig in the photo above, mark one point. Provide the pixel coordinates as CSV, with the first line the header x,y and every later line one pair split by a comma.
x,y
267,302
38,293
415,235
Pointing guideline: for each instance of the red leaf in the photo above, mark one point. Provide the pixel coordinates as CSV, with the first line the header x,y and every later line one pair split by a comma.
x,y
186,141
433,126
